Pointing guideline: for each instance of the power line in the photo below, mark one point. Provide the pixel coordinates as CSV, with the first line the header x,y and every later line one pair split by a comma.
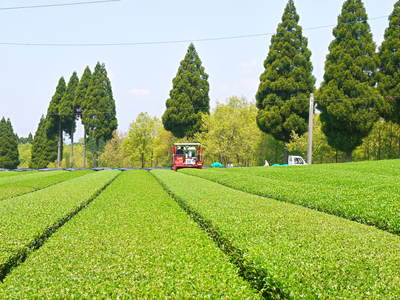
x,y
57,4
222,38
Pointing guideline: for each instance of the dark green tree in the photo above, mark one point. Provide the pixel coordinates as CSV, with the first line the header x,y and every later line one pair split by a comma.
x,y
44,149
9,156
69,111
389,68
30,138
81,104
57,118
188,98
286,84
348,100
99,113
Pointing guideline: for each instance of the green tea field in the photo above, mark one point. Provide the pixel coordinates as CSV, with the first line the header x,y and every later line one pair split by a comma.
x,y
312,232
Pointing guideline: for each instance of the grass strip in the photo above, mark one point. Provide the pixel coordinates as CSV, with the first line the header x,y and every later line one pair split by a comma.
x,y
375,205
14,173
306,253
29,184
27,221
133,241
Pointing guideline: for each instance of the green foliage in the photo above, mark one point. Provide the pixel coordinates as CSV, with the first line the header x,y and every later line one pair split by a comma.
x,y
99,115
382,143
15,186
26,140
188,98
348,100
142,139
229,134
9,157
81,99
26,220
114,155
285,85
44,147
54,115
133,241
367,194
322,152
389,67
67,105
296,252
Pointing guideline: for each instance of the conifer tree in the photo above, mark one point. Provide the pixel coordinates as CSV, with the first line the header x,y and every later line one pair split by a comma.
x,y
348,100
285,85
57,118
81,104
69,111
44,149
188,98
9,156
99,114
389,68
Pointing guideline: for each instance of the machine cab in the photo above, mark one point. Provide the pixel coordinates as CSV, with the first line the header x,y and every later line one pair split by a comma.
x,y
187,155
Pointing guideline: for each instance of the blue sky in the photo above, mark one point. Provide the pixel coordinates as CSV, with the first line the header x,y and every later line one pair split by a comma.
x,y
141,75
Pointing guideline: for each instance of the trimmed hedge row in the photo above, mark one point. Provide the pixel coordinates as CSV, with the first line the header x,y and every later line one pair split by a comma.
x,y
301,252
26,184
133,241
26,221
364,200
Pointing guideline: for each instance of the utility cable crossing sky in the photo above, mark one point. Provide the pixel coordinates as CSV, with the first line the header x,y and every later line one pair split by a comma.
x,y
57,5
232,37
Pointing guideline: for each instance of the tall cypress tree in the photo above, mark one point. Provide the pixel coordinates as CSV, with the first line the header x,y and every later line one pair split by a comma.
x,y
188,98
99,114
81,104
389,68
9,156
69,111
348,100
286,84
56,117
44,149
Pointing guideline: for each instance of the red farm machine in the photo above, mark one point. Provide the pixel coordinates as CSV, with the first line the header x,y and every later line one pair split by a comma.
x,y
187,155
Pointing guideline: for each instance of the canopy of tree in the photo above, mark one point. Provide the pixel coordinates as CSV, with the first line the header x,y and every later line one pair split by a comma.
x,y
9,157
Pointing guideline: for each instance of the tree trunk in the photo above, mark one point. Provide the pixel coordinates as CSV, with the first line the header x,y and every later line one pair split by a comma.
x,y
71,160
84,150
59,146
96,156
142,158
349,156
286,157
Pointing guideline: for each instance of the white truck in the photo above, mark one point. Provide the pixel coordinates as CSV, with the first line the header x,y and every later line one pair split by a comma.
x,y
296,161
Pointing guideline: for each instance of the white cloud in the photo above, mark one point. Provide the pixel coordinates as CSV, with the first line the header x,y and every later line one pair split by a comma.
x,y
140,92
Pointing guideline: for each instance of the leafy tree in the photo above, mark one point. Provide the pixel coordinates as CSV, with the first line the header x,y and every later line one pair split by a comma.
x,y
99,115
382,143
56,118
81,102
229,134
44,148
349,103
9,157
389,67
285,85
140,142
322,152
113,154
69,111
188,98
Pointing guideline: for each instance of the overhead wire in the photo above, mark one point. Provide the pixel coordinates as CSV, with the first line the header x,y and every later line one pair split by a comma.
x,y
57,4
166,42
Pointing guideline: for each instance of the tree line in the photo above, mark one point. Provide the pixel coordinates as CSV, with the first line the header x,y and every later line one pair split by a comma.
x,y
360,89
360,86
89,99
